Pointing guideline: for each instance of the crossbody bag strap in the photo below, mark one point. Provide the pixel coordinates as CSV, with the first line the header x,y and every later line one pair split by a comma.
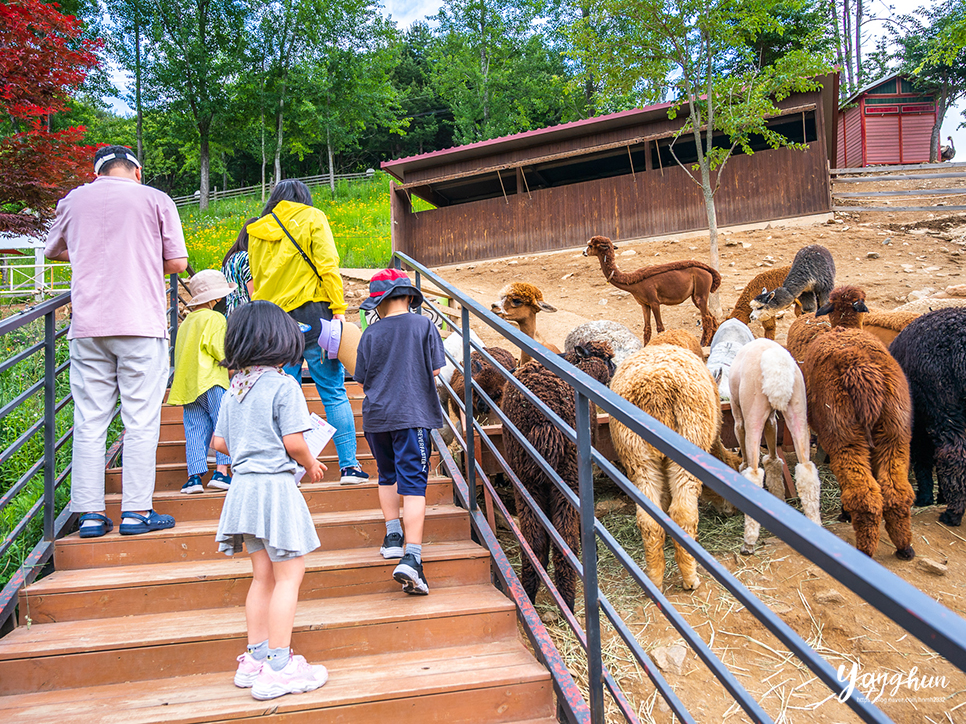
x,y
301,252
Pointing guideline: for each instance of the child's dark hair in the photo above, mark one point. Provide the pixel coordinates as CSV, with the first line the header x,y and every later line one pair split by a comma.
x,y
241,242
260,333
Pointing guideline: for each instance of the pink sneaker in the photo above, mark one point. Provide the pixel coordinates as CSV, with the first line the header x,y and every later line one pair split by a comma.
x,y
297,677
248,668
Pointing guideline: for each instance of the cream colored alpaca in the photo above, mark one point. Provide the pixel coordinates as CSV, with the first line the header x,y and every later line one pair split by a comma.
x,y
672,385
766,380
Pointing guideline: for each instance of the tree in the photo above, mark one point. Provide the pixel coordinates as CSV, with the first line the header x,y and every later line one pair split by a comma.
x,y
43,57
704,51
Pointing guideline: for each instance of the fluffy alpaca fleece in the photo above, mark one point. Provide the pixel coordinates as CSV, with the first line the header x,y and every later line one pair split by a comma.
x,y
679,338
859,406
673,386
885,326
845,308
932,353
596,360
803,330
488,378
732,335
652,286
769,279
809,281
622,340
766,380
454,345
519,303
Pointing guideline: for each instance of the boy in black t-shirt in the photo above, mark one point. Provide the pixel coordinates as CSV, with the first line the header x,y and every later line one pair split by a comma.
x,y
397,361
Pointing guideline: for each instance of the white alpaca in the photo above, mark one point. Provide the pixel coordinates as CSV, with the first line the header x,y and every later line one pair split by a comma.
x,y
732,335
766,380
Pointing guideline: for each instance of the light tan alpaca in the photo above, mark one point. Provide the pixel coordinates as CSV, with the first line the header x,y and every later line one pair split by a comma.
x,y
519,303
672,385
766,380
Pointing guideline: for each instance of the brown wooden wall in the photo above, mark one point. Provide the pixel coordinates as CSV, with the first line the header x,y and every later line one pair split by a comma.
x,y
768,185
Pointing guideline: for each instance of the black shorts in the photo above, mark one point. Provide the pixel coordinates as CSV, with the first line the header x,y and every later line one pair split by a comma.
x,y
402,457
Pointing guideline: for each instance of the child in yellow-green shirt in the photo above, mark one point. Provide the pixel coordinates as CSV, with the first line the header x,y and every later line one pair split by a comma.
x,y
200,380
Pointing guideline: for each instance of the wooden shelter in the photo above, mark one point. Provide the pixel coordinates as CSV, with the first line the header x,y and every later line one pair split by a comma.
x,y
616,175
885,123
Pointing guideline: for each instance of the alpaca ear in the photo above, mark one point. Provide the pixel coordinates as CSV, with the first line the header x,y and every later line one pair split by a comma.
x,y
764,290
717,374
476,366
581,351
859,306
826,309
614,247
546,307
771,295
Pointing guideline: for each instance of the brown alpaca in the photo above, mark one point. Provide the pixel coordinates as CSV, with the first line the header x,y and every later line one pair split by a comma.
x,y
679,338
488,378
672,385
885,326
769,279
519,303
845,308
653,286
859,406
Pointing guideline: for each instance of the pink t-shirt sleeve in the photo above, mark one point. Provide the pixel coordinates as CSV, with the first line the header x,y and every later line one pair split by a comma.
x,y
172,235
57,236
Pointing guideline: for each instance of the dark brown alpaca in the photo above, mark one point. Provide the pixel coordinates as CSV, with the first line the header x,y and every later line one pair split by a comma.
x,y
653,286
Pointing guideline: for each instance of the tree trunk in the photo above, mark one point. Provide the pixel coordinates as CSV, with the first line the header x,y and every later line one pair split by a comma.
x,y
941,107
589,89
278,140
858,44
847,36
328,145
137,86
833,17
263,155
205,167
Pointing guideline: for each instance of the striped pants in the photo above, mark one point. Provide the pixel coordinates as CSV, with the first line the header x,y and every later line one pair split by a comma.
x,y
200,418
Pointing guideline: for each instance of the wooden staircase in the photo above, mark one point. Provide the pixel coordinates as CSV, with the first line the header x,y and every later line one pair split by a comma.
x,y
147,628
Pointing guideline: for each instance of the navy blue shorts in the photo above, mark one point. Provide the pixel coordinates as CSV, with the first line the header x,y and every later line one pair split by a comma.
x,y
402,457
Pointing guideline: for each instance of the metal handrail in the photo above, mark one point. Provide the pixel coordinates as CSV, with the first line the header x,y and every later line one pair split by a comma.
x,y
932,623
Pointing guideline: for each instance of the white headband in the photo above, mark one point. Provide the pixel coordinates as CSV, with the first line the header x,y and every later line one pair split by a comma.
x,y
111,156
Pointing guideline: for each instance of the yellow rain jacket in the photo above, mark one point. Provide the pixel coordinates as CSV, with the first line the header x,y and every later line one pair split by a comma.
x,y
279,272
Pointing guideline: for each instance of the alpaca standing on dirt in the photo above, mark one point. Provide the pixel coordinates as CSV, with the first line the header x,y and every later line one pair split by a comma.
x,y
859,406
732,335
768,279
680,338
810,281
662,284
932,353
765,381
595,359
673,386
622,340
519,303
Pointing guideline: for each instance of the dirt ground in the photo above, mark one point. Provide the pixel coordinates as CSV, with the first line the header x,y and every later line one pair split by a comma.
x,y
890,256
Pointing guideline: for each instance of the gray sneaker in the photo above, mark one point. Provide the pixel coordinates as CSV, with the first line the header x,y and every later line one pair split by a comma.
x,y
392,546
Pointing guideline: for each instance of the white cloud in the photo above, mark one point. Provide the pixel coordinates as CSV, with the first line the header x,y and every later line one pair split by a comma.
x,y
406,12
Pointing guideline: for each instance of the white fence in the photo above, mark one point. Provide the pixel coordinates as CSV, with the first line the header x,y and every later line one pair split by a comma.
x,y
217,195
21,278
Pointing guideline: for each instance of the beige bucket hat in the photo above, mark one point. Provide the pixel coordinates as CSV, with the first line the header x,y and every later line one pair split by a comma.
x,y
208,285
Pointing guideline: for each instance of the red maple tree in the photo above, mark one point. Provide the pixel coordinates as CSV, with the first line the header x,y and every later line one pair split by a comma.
x,y
43,56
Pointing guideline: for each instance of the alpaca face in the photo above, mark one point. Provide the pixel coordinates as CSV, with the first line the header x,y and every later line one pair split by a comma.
x,y
519,302
599,246
767,304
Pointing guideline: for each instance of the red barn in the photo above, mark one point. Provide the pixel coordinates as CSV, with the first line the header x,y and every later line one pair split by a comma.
x,y
887,122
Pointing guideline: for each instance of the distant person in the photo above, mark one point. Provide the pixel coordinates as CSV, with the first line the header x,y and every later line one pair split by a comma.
x,y
200,380
261,424
236,268
396,363
295,264
121,238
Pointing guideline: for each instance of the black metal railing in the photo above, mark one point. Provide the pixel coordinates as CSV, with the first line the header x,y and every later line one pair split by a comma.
x,y
933,624
53,525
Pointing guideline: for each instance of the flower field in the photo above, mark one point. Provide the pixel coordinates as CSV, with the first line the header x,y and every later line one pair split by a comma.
x,y
358,216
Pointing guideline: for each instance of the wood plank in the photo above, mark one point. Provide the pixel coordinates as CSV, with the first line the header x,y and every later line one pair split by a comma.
x,y
899,192
898,167
898,177
418,679
934,209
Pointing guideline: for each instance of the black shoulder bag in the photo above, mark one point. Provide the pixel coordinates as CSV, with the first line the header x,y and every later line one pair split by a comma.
x,y
301,252
310,312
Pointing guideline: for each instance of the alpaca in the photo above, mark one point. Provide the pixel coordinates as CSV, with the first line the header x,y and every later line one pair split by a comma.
x,y
845,308
859,406
932,353
732,335
768,279
680,338
519,303
561,454
490,381
662,284
802,332
764,381
622,340
673,386
810,281
886,326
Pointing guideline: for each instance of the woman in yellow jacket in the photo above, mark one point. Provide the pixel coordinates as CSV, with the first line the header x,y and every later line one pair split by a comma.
x,y
295,264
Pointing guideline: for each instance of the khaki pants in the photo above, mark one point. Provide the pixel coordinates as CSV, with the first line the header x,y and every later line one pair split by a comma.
x,y
101,368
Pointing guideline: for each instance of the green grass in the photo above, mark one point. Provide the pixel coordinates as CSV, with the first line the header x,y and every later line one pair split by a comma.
x,y
358,215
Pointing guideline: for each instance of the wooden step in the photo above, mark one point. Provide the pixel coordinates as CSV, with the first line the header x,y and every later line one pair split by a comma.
x,y
173,429
172,414
320,497
195,540
173,451
490,682
77,654
90,593
171,476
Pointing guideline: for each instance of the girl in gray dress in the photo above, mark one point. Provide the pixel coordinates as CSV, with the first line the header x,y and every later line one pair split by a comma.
x,y
263,416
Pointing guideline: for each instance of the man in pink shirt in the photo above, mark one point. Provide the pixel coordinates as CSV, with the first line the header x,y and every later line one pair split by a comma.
x,y
121,238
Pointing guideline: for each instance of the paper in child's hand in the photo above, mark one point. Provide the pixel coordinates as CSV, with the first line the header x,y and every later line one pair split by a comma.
x,y
316,437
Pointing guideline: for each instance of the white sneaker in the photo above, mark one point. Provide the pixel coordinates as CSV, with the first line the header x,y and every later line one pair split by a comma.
x,y
296,678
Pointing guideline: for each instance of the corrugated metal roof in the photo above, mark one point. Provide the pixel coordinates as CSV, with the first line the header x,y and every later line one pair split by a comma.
x,y
527,139
851,99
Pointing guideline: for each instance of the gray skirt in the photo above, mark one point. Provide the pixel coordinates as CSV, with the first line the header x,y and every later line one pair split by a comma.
x,y
271,508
